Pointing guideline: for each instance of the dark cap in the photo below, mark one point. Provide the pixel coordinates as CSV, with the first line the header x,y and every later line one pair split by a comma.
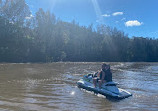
x,y
104,65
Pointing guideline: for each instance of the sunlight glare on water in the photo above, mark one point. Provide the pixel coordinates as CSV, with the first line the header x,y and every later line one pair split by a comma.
x,y
73,92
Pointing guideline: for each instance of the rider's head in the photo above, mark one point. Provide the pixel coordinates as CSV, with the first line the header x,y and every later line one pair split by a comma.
x,y
105,67
108,67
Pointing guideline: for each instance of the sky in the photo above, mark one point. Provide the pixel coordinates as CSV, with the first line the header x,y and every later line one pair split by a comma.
x,y
134,17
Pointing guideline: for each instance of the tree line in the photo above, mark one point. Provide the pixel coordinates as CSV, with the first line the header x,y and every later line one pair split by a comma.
x,y
44,38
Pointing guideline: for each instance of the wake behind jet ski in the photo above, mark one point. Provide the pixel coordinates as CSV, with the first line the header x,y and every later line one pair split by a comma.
x,y
108,88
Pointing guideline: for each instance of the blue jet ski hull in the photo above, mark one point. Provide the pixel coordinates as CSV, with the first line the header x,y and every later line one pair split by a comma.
x,y
108,89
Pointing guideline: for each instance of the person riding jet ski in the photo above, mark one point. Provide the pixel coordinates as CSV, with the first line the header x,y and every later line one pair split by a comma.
x,y
101,83
103,76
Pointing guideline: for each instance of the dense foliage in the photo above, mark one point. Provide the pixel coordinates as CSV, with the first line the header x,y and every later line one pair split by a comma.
x,y
43,38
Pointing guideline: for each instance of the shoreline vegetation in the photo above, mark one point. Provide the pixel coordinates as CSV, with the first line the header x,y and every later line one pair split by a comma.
x,y
27,38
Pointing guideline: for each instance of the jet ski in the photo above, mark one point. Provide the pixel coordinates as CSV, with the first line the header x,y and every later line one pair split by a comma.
x,y
108,89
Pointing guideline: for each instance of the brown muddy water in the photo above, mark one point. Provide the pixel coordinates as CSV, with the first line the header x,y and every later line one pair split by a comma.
x,y
52,87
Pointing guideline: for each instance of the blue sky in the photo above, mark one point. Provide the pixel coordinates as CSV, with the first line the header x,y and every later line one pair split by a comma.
x,y
134,17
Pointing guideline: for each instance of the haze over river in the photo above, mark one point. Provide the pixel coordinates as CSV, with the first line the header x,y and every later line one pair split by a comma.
x,y
52,87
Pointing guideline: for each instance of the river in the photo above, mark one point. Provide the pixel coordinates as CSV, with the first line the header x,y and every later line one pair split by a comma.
x,y
52,87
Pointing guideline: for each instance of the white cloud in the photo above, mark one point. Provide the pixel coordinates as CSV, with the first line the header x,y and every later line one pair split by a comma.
x,y
97,21
123,19
117,13
132,23
106,15
116,22
155,33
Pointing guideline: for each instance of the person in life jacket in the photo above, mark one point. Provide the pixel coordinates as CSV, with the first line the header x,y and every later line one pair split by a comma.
x,y
104,75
